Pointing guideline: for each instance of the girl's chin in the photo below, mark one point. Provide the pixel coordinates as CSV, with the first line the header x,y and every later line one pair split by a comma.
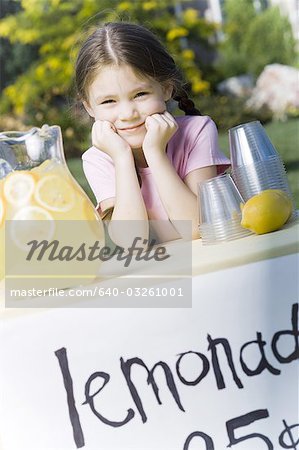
x,y
135,143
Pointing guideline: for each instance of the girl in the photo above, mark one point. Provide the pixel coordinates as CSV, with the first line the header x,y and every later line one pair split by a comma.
x,y
144,164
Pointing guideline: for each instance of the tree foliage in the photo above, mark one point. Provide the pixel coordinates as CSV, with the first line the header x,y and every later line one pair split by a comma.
x,y
52,26
254,39
56,28
13,57
274,36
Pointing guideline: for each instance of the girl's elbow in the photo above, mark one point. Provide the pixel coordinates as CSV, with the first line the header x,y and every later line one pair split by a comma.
x,y
125,233
195,233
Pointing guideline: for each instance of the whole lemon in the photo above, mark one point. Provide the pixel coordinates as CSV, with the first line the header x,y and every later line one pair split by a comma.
x,y
266,211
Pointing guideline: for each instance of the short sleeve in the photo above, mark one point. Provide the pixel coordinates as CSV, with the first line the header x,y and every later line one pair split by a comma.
x,y
100,173
204,148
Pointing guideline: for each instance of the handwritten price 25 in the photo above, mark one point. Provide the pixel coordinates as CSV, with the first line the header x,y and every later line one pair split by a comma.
x,y
286,438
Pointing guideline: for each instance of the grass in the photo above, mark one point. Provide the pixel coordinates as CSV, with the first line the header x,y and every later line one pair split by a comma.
x,y
284,136
75,166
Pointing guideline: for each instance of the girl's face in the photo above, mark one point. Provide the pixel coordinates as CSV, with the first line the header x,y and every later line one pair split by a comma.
x,y
120,96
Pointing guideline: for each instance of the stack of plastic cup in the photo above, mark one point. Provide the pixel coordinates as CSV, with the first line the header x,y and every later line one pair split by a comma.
x,y
219,210
256,165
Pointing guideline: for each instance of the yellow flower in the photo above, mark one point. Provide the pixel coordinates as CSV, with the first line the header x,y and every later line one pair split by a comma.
x,y
10,91
200,86
18,96
19,109
190,16
4,28
147,6
46,48
69,42
124,6
53,63
40,72
188,54
176,33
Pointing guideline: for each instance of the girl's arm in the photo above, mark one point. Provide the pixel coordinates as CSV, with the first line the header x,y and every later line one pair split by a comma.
x,y
178,197
129,218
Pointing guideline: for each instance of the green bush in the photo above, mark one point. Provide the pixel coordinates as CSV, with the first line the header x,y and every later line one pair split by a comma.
x,y
276,43
253,40
230,111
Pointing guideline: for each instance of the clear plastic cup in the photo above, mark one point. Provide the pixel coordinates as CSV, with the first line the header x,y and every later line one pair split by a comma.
x,y
255,164
226,231
255,178
249,143
219,210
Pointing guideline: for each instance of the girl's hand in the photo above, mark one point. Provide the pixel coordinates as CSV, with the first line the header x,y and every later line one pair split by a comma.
x,y
104,136
160,128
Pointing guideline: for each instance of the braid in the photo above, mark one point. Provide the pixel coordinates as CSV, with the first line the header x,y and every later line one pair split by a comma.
x,y
187,105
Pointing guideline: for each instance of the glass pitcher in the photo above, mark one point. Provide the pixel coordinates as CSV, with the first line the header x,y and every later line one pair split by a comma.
x,y
41,201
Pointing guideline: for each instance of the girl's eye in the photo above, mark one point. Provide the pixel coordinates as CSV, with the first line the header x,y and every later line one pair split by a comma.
x,y
107,101
140,94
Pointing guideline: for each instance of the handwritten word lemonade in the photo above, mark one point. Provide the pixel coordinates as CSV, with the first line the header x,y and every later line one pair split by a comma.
x,y
43,203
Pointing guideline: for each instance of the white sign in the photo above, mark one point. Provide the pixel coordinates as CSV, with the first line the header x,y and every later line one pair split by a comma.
x,y
223,374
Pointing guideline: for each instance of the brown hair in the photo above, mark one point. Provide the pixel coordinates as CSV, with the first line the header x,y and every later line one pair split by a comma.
x,y
119,43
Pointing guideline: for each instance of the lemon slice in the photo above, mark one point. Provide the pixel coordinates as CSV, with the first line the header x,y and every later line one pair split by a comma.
x,y
54,193
43,167
41,226
18,188
1,211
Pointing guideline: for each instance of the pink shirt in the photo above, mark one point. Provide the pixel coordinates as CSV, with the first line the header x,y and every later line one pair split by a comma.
x,y
193,146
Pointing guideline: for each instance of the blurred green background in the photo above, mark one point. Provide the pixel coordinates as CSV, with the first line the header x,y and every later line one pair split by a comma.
x,y
210,40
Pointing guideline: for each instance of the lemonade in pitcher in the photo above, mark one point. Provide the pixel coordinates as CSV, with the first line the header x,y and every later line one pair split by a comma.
x,y
40,201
